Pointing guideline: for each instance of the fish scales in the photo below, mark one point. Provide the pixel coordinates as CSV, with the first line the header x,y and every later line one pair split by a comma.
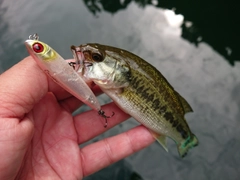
x,y
140,90
149,71
151,106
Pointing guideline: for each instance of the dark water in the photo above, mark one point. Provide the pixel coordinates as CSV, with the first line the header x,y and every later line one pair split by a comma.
x,y
207,75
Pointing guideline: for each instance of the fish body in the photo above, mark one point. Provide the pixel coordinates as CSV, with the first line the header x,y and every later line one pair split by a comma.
x,y
60,71
140,90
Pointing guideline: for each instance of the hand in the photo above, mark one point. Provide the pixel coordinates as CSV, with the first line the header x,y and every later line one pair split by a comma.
x,y
39,137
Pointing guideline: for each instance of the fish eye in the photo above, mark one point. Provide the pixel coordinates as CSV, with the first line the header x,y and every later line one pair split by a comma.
x,y
37,47
97,57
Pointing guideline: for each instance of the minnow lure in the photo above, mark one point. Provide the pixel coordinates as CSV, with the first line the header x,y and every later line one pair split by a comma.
x,y
63,74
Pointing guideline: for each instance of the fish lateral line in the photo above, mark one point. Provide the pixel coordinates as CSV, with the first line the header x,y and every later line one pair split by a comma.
x,y
102,113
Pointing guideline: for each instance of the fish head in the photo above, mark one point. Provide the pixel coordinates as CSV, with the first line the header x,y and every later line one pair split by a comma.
x,y
102,65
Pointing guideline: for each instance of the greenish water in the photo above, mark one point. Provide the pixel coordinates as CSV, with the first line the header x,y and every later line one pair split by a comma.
x,y
205,77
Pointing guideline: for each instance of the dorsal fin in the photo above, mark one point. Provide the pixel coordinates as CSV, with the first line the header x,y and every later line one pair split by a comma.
x,y
187,108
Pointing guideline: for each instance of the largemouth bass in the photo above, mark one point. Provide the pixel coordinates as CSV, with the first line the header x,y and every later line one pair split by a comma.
x,y
139,89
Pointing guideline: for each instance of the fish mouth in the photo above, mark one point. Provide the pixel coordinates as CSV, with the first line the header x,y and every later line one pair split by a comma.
x,y
79,58
80,61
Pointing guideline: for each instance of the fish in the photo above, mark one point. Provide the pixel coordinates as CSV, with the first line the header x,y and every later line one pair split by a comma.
x,y
61,72
139,89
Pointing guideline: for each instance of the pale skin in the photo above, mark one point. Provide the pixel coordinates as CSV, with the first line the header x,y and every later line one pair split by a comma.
x,y
39,137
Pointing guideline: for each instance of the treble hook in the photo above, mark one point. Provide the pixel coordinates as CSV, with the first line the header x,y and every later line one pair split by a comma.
x,y
72,64
102,113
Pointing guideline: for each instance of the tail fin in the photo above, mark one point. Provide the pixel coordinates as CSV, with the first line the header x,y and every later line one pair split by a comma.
x,y
183,147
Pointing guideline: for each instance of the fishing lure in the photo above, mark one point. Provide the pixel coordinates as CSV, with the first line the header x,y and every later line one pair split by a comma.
x,y
63,74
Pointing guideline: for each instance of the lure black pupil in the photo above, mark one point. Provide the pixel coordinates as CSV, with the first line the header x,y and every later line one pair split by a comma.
x,y
37,47
97,57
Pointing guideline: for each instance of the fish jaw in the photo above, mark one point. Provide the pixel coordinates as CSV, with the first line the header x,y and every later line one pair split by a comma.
x,y
63,74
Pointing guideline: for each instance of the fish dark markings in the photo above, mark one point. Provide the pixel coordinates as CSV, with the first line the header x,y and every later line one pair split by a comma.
x,y
135,82
151,97
171,120
162,109
168,116
175,123
155,104
129,75
140,89
166,97
133,79
182,131
145,95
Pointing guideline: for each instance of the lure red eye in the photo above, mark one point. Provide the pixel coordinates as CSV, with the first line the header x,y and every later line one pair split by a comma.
x,y
37,47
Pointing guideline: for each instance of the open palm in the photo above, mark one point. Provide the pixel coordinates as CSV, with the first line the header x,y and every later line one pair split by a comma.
x,y
39,137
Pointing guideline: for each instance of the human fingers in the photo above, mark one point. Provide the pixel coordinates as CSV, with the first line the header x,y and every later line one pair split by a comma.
x,y
103,153
89,124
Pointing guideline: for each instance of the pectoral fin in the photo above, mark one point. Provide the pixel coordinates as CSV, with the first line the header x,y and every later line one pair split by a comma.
x,y
161,139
